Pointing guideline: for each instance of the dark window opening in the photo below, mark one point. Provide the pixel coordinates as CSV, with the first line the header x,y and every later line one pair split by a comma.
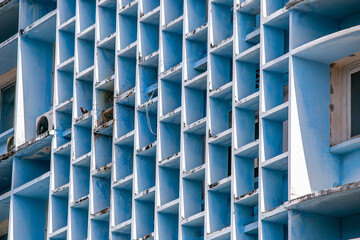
x,y
203,148
202,196
355,104
7,107
229,161
256,125
4,237
230,119
256,173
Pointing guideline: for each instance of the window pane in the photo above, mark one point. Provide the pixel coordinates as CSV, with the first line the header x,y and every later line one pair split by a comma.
x,y
4,237
355,104
7,107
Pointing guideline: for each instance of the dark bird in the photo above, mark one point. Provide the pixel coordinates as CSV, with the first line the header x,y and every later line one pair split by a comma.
x,y
83,110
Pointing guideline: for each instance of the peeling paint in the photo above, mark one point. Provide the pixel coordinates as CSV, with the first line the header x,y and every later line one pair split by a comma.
x,y
220,43
81,200
101,212
146,236
4,2
103,169
213,184
59,189
145,148
82,117
325,192
245,195
105,120
169,158
28,144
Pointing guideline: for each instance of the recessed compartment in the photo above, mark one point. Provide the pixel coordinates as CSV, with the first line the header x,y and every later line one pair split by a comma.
x,y
219,210
197,13
168,184
79,221
148,82
85,54
248,78
145,172
170,136
84,97
276,40
66,45
222,20
221,70
103,150
61,169
172,10
275,187
194,149
123,161
59,212
147,128
221,115
81,181
66,10
194,196
127,68
149,5
63,125
168,226
195,103
107,21
65,84
86,13
172,49
128,26
248,29
106,63
82,140
122,205
101,193
149,37
220,162
170,95
196,57
33,10
144,215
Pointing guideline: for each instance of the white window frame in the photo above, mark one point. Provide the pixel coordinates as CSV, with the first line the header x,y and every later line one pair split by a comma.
x,y
349,72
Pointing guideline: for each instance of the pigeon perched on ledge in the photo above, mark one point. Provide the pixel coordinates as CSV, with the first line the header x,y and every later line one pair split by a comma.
x,y
83,110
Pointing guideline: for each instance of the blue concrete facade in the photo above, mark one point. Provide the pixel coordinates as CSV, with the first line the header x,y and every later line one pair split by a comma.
x,y
179,119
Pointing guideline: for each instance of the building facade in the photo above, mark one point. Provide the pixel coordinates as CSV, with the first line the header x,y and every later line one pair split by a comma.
x,y
180,119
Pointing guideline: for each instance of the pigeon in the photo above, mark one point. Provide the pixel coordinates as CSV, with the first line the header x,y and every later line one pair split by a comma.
x,y
83,110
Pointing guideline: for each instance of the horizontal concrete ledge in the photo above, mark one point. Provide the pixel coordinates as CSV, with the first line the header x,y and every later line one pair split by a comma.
x,y
171,207
124,227
59,234
37,188
337,201
196,220
325,49
346,147
248,199
81,203
223,233
30,147
249,6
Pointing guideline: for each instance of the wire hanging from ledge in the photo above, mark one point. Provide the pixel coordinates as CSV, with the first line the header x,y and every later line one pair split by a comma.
x,y
147,113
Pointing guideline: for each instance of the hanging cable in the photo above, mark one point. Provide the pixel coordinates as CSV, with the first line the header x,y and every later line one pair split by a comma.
x,y
147,113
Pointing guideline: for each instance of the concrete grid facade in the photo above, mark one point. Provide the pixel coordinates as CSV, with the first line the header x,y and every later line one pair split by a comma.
x,y
180,119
